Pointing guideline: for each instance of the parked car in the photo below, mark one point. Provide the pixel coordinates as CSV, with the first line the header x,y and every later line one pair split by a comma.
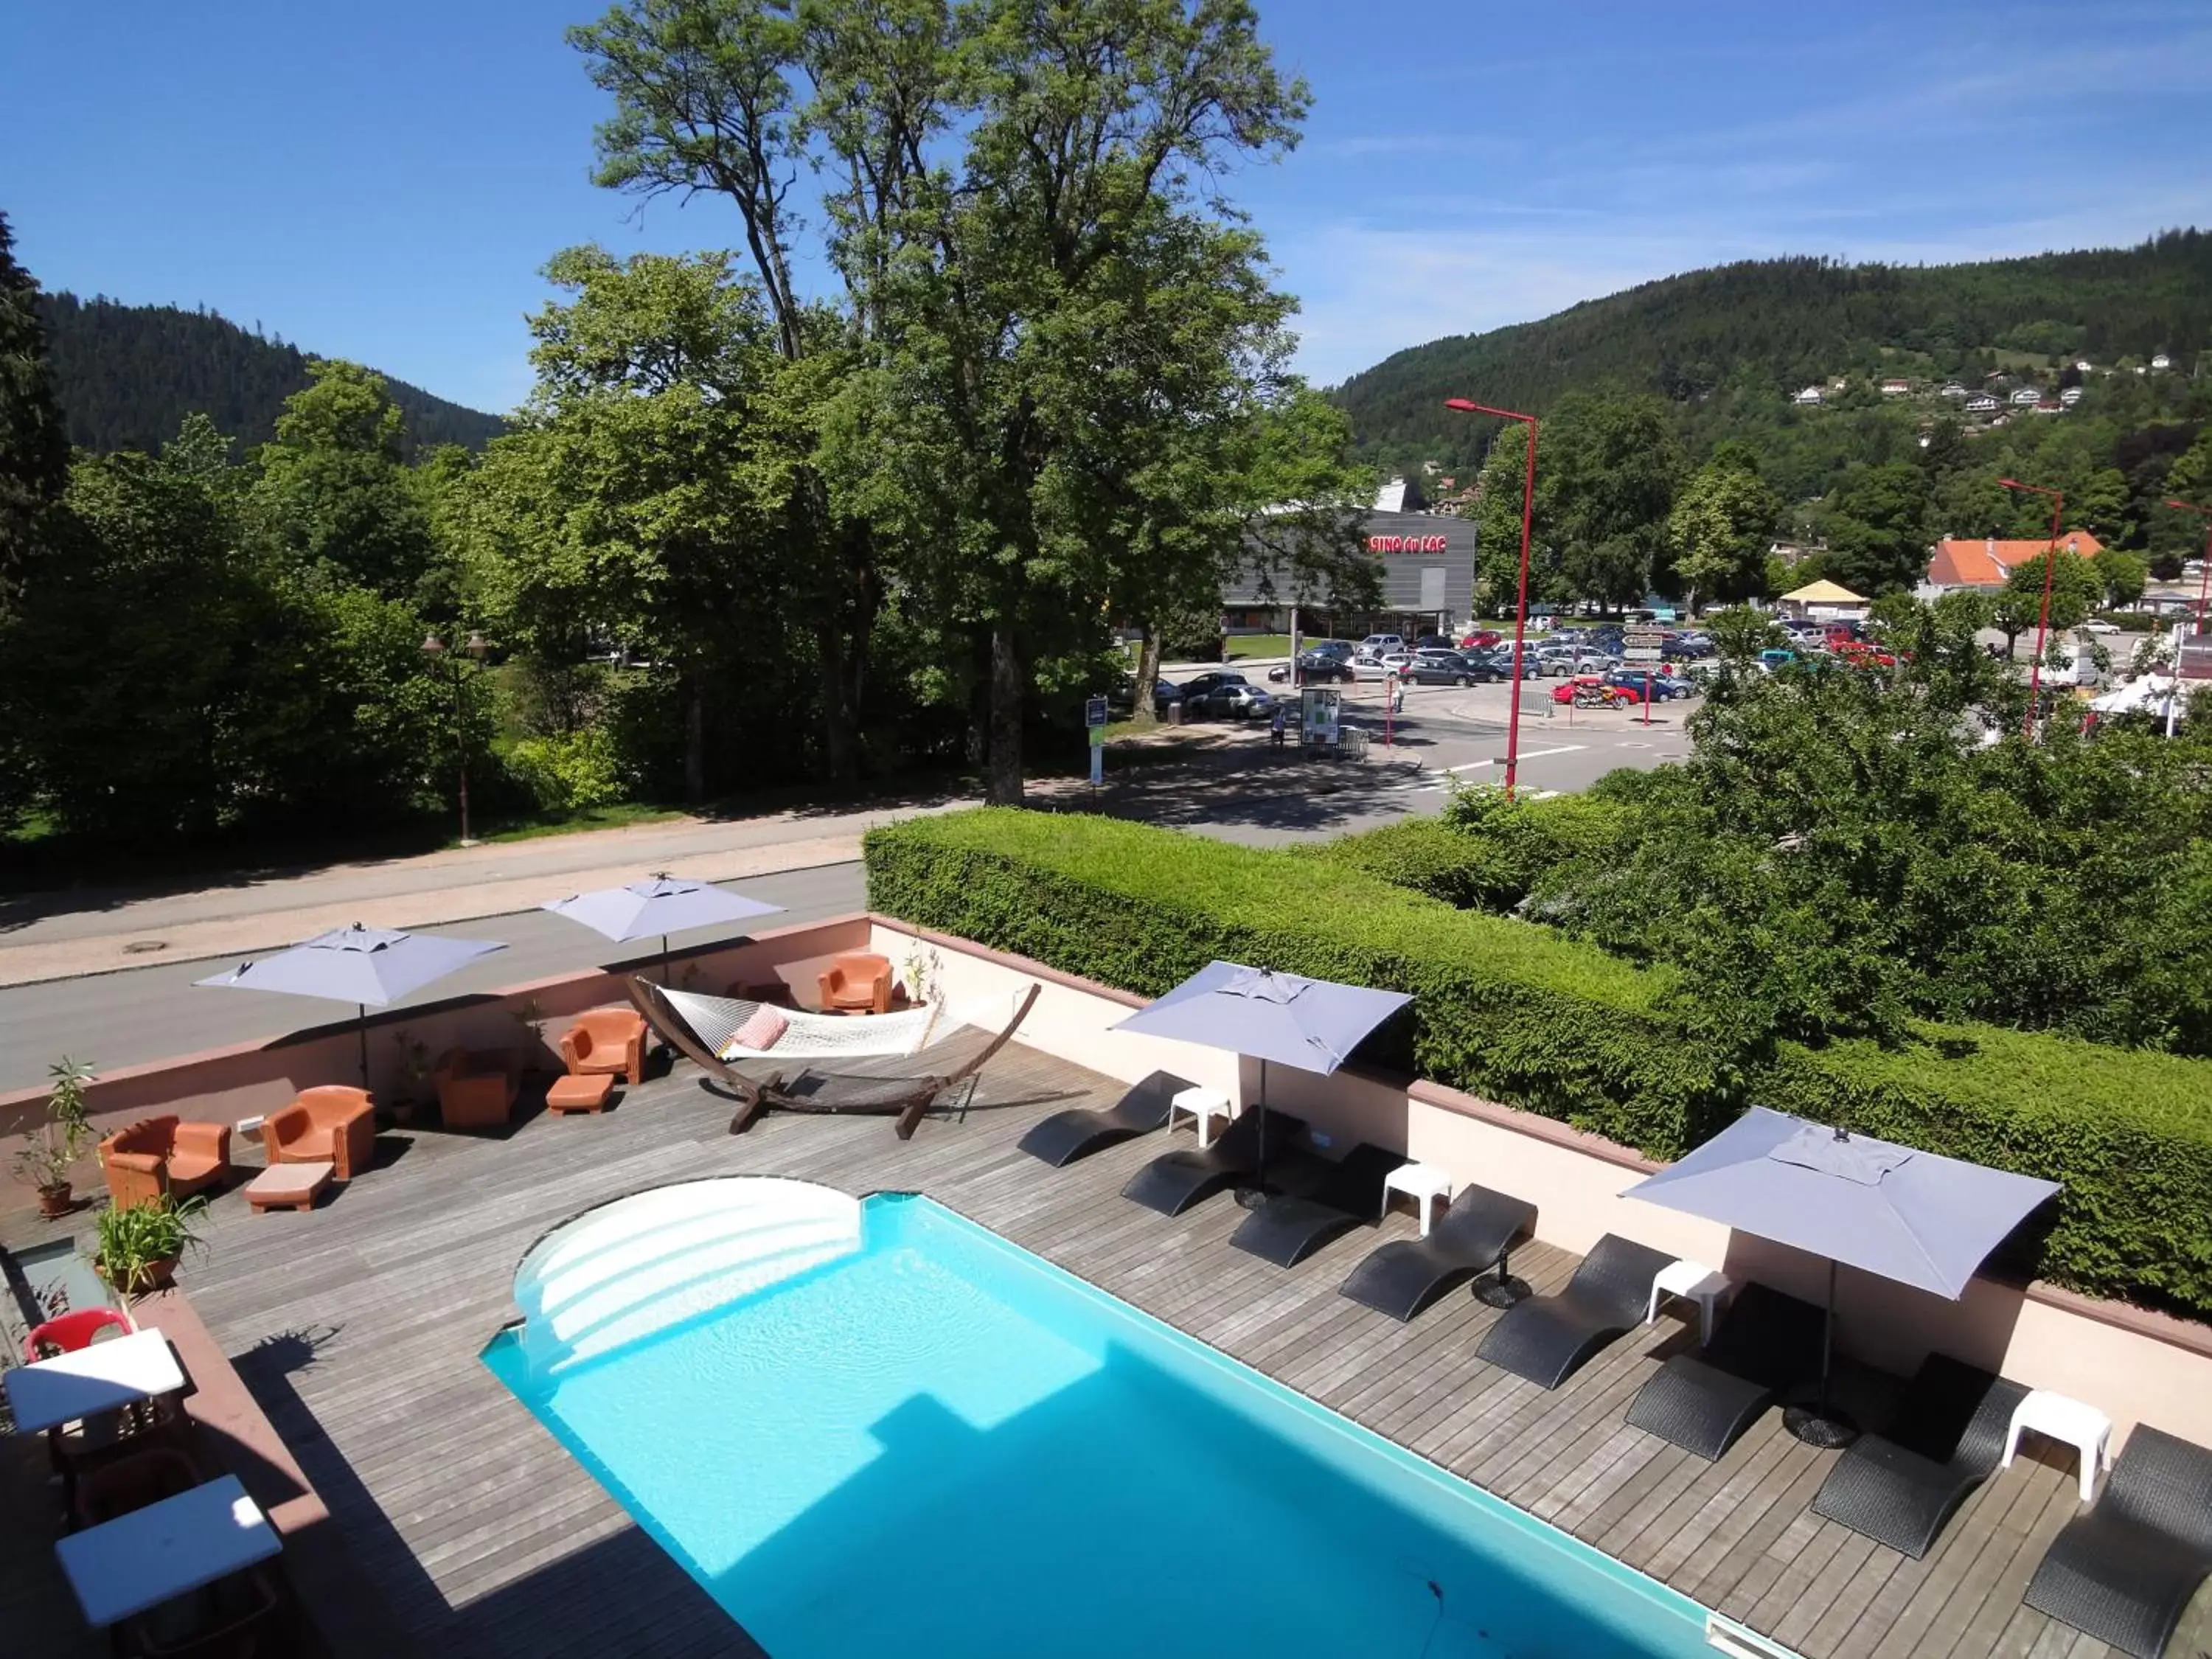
x,y
1556,661
1588,691
1330,661
1439,668
1481,640
1530,664
2099,625
1226,696
1434,642
1484,667
1121,697
1663,688
1377,644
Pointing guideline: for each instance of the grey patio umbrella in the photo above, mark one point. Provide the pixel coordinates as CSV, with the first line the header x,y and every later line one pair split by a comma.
x,y
1311,1024
364,966
662,904
1914,1217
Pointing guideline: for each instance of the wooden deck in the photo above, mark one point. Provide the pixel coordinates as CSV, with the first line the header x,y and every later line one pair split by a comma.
x,y
357,1326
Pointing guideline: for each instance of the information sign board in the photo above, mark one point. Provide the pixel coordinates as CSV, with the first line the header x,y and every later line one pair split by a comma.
x,y
1321,714
1644,644
2195,657
1094,715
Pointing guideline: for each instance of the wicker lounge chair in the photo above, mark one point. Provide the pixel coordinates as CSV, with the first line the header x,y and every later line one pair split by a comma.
x,y
2124,1572
1768,1342
1548,1339
1474,1234
1063,1137
1173,1181
1285,1231
1900,1486
905,1097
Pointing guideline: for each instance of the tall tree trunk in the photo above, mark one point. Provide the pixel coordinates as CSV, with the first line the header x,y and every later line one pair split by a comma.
x,y
840,744
1003,787
1148,673
694,694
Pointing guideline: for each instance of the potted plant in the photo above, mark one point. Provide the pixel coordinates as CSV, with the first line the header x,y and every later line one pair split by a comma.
x,y
61,1139
415,1070
139,1245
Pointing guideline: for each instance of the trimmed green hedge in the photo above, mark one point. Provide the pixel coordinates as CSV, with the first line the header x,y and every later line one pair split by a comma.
x,y
1513,1011
1493,861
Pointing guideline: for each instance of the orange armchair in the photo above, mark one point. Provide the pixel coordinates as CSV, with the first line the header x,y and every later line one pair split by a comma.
x,y
858,984
605,1040
477,1089
163,1155
329,1125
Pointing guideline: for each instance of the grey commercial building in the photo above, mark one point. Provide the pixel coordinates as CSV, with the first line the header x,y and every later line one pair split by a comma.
x,y
1427,561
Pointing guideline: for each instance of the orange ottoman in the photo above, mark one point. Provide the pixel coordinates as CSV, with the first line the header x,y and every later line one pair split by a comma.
x,y
580,1094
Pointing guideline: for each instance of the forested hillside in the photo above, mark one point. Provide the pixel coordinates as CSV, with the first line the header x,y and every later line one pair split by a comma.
x,y
1729,346
126,377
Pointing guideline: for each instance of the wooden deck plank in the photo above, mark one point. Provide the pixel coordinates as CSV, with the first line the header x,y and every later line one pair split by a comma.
x,y
381,1299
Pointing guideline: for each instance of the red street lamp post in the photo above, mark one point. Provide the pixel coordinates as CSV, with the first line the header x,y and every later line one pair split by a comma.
x,y
2204,575
436,653
2050,569
1469,406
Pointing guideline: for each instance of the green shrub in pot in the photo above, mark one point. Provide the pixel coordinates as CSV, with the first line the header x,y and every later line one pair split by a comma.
x,y
139,1245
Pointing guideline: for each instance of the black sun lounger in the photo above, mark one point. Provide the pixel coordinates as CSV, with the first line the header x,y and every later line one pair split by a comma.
x,y
1406,1275
1548,1339
1066,1136
1702,1399
1900,1486
1343,1195
2124,1572
1173,1181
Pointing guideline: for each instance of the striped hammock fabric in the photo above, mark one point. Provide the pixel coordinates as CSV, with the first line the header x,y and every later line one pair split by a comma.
x,y
716,1020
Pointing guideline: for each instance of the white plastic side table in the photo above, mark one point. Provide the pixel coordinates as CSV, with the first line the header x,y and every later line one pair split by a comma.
x,y
1693,1281
1204,1105
1425,1183
2085,1428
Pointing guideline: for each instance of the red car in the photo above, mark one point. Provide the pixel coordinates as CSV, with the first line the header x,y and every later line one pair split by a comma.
x,y
1481,640
1590,691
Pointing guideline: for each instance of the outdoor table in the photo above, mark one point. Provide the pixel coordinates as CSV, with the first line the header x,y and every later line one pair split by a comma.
x,y
2085,1428
128,1565
1425,1183
1203,1104
104,1377
1693,1281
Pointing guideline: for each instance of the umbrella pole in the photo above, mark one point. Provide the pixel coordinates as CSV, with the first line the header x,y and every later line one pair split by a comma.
x,y
664,961
1819,1425
1253,1196
360,1013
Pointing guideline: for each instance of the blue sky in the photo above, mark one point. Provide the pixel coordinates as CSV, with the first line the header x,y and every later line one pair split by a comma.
x,y
383,182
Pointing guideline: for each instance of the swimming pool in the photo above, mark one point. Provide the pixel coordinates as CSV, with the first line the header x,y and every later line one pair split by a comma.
x,y
887,1430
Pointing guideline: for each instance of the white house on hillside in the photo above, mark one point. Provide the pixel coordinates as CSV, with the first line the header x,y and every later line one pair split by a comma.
x,y
1981,404
2084,366
1893,387
2026,398
1953,389
2071,396
1811,394
2161,361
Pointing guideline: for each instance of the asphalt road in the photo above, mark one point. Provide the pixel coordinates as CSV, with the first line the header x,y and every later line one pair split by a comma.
x,y
1257,796
146,1013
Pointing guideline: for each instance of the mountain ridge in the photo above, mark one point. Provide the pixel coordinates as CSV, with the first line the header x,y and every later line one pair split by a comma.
x,y
1762,328
126,375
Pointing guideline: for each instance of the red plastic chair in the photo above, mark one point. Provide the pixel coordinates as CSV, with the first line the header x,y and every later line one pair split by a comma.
x,y
73,1331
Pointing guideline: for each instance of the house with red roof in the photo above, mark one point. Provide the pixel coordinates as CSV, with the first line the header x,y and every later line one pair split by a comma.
x,y
1984,563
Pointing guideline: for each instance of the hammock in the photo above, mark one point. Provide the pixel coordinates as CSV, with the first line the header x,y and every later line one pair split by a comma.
x,y
715,1022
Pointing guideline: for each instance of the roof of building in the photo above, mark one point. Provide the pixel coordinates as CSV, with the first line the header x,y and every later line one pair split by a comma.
x,y
1985,562
1824,592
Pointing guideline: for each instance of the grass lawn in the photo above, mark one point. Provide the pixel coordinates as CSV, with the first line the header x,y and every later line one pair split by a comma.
x,y
617,817
1259,645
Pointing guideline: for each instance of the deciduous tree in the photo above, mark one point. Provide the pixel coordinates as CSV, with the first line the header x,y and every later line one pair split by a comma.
x,y
1719,530
34,448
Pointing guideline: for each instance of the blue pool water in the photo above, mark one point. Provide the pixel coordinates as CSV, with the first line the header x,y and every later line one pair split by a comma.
x,y
938,1445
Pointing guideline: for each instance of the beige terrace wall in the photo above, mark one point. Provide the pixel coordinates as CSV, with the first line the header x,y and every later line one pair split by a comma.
x,y
252,1079
2136,1366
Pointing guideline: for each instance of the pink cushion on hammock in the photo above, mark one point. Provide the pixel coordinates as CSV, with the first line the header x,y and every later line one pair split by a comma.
x,y
761,1031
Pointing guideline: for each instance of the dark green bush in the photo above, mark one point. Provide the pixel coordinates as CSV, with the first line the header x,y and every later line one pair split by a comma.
x,y
1484,853
1518,1012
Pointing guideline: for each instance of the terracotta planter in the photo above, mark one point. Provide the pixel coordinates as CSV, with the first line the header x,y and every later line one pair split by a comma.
x,y
159,1275
54,1201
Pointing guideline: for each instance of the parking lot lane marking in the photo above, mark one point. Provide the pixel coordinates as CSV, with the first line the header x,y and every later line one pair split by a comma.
x,y
1471,766
1564,749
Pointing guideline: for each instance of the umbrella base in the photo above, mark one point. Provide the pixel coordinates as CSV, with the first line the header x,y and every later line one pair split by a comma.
x,y
1501,1291
1823,1427
1253,1198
